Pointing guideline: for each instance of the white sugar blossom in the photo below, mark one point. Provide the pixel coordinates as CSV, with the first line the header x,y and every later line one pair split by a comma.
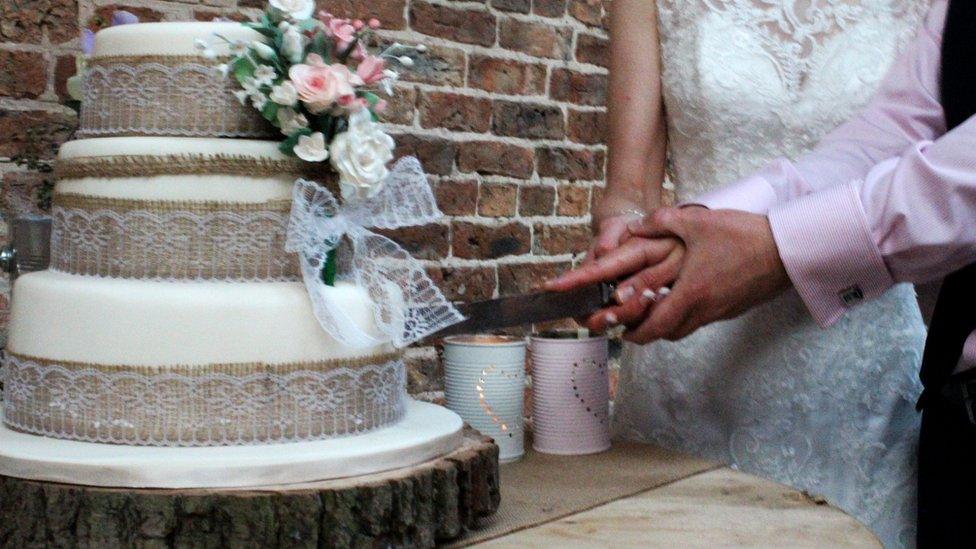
x,y
290,120
251,86
293,44
223,69
311,147
259,101
264,75
360,155
205,48
238,47
298,9
263,50
284,94
242,96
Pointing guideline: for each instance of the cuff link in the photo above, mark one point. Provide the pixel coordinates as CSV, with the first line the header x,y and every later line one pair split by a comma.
x,y
851,295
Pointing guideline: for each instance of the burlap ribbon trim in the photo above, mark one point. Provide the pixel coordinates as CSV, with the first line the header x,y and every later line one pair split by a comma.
x,y
236,369
165,95
180,164
171,240
206,405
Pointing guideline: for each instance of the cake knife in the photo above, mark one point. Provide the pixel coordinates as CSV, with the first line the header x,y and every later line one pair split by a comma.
x,y
491,314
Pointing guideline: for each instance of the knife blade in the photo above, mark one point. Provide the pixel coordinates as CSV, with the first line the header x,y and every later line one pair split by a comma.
x,y
491,314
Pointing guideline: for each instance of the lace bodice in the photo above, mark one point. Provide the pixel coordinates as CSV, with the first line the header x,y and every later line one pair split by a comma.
x,y
827,411
746,81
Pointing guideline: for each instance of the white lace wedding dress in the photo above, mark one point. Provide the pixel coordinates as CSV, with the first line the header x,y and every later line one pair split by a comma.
x,y
827,411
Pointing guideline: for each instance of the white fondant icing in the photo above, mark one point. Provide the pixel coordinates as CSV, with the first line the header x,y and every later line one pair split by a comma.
x,y
164,146
224,188
426,432
228,188
121,321
168,38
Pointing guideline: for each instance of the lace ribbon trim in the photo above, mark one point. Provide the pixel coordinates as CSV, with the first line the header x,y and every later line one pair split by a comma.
x,y
164,95
207,405
161,240
178,164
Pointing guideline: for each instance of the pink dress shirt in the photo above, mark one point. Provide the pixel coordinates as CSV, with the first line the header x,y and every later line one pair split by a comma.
x,y
887,197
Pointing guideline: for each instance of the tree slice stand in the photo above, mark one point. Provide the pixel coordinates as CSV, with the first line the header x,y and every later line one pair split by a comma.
x,y
414,506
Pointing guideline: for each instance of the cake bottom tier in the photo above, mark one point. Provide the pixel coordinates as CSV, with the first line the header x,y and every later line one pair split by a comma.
x,y
189,364
426,432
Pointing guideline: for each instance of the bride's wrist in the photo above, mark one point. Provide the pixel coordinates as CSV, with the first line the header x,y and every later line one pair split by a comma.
x,y
616,207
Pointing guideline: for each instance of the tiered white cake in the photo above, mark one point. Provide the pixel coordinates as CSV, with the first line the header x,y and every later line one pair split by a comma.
x,y
173,317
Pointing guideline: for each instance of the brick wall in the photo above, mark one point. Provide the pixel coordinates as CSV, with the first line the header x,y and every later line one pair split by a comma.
x,y
505,110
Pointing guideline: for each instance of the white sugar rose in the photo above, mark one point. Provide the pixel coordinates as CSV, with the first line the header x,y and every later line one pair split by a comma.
x,y
298,9
360,155
284,94
311,148
293,44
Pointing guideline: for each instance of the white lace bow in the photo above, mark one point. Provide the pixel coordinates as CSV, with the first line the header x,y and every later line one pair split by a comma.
x,y
407,304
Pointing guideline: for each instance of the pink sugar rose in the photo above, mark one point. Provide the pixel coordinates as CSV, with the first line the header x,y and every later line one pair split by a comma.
x,y
342,31
371,68
320,85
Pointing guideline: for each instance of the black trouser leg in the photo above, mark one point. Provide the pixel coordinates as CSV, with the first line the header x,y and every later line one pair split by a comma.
x,y
946,478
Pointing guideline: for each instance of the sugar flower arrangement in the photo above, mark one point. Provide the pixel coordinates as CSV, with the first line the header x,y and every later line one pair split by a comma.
x,y
314,79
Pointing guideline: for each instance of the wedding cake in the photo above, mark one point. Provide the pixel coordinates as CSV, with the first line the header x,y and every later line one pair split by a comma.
x,y
182,335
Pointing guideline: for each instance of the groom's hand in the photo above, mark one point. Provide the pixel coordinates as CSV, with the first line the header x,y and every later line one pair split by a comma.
x,y
731,265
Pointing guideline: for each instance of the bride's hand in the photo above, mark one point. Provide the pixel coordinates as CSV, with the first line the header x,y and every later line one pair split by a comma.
x,y
610,220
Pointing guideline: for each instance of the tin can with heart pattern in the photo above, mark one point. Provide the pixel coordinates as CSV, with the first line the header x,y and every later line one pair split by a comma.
x,y
570,393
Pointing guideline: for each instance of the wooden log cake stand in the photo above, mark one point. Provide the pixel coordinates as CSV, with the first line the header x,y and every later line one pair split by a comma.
x,y
414,506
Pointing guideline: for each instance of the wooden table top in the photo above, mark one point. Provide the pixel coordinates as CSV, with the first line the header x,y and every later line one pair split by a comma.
x,y
717,508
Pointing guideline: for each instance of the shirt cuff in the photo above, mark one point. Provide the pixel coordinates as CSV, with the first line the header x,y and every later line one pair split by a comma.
x,y
828,251
753,194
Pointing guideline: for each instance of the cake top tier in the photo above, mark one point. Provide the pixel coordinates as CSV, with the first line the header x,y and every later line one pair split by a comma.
x,y
168,39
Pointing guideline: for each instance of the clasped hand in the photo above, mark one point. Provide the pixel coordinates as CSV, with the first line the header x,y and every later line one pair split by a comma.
x,y
711,264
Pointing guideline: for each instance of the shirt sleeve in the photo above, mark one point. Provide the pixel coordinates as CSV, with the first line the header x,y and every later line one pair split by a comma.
x,y
910,219
905,110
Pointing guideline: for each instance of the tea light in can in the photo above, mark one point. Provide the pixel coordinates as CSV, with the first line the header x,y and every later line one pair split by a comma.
x,y
570,393
484,379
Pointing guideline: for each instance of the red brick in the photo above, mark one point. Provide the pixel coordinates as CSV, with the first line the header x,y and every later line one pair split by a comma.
x,y
593,49
587,11
455,112
26,21
497,200
577,87
457,196
539,40
34,133
522,278
24,74
536,200
528,120
435,153
438,65
24,193
423,241
494,158
549,8
401,107
466,283
506,76
587,126
103,15
476,241
210,15
456,24
389,12
560,239
573,200
517,6
572,164
64,68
